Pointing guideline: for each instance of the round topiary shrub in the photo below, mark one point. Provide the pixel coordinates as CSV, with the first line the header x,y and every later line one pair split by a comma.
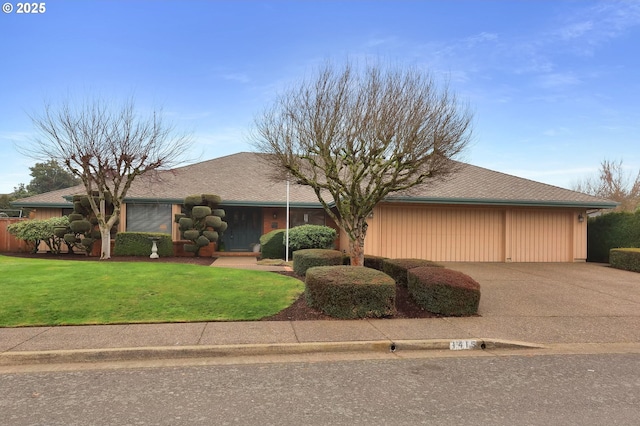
x,y
191,234
202,241
272,245
211,199
200,212
398,268
211,235
444,291
349,292
213,221
185,223
80,226
311,237
305,259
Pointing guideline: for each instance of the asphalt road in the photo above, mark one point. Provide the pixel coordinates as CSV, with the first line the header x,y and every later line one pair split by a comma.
x,y
525,390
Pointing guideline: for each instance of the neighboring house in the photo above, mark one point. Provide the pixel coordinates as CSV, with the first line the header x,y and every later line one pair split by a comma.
x,y
475,215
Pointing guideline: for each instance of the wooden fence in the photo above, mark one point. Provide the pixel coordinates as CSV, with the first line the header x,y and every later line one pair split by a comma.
x,y
9,243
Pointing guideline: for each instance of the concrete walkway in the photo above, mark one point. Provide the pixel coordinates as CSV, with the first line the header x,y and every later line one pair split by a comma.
x,y
522,304
245,262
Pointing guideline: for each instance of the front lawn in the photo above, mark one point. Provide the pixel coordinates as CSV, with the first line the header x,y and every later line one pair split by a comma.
x,y
58,292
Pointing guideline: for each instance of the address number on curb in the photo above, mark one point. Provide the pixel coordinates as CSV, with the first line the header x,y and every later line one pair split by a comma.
x,y
462,345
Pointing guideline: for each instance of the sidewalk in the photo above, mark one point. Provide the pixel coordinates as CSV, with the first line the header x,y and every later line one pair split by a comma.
x,y
522,305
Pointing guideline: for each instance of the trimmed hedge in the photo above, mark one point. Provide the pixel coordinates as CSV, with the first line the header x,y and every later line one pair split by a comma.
x,y
398,268
272,244
444,291
373,262
305,259
311,237
625,258
139,244
349,292
609,231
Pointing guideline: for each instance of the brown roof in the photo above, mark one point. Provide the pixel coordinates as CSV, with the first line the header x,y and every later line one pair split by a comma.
x,y
242,179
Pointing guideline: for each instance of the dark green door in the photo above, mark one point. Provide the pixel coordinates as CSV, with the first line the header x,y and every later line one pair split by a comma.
x,y
244,227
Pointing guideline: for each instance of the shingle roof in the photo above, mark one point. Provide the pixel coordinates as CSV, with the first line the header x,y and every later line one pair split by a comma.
x,y
243,179
477,185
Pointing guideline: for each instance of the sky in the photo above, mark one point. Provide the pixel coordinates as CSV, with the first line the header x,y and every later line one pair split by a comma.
x,y
554,85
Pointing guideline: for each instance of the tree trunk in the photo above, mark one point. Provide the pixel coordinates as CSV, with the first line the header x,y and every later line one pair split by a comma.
x,y
105,235
356,248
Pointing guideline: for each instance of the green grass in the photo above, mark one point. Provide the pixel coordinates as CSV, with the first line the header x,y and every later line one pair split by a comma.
x,y
36,292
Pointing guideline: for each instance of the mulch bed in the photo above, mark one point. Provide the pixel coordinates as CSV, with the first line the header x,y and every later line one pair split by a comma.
x,y
298,311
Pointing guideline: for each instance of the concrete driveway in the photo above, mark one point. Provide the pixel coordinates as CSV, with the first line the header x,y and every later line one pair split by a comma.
x,y
555,302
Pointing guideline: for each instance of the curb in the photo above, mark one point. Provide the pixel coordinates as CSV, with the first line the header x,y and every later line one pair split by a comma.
x,y
222,351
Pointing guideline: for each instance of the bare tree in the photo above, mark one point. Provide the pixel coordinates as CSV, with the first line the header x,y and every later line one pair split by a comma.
x,y
358,135
613,183
106,147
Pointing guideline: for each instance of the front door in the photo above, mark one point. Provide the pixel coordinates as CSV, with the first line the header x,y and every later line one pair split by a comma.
x,y
244,227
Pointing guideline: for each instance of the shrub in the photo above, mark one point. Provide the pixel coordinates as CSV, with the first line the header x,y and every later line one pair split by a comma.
x,y
82,231
444,291
139,244
305,259
311,237
201,223
625,258
398,268
36,230
611,230
272,244
373,262
350,291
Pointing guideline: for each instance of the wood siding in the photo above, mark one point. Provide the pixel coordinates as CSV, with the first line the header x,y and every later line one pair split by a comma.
x,y
474,234
439,234
540,236
9,243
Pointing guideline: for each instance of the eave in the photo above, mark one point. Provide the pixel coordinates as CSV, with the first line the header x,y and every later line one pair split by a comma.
x,y
501,202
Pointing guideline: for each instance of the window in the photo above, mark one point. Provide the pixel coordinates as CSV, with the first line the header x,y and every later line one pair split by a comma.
x,y
306,217
149,218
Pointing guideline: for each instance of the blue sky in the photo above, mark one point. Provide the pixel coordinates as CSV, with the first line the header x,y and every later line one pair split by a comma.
x,y
554,84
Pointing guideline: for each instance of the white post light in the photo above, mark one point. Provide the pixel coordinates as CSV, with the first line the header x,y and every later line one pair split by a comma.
x,y
287,232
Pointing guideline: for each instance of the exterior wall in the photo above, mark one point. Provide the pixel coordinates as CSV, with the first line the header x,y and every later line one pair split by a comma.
x,y
175,229
122,224
476,234
46,213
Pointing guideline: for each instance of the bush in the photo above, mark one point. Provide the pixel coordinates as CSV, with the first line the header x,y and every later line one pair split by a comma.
x,y
36,230
305,259
443,291
398,268
272,244
139,244
625,258
201,222
311,237
350,291
373,262
609,231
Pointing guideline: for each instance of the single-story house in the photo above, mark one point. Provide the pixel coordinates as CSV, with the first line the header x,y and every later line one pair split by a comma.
x,y
474,215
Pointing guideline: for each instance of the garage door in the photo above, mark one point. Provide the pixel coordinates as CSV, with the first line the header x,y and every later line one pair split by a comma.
x,y
540,236
439,234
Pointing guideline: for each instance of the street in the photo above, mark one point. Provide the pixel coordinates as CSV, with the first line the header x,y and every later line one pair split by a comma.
x,y
506,390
